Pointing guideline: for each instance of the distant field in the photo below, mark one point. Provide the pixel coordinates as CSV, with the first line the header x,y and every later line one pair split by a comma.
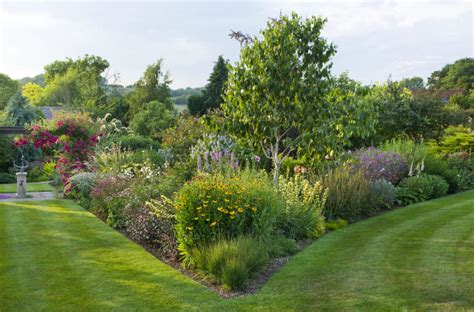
x,y
180,108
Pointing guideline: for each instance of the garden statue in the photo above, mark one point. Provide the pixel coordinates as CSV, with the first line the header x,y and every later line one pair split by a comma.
x,y
21,177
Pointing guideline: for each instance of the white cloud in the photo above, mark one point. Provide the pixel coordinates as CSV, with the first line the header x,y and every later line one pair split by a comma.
x,y
348,18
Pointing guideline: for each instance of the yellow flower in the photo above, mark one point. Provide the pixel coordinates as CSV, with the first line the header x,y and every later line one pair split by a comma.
x,y
232,213
189,228
241,209
196,218
226,200
213,223
254,209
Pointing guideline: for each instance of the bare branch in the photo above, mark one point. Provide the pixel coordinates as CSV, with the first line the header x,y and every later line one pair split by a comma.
x,y
242,38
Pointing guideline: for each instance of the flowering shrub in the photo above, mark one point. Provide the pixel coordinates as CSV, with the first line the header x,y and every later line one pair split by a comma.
x,y
152,224
304,204
376,165
109,197
219,154
79,187
212,206
69,138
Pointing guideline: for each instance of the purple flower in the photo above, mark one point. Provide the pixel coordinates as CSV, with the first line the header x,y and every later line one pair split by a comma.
x,y
256,158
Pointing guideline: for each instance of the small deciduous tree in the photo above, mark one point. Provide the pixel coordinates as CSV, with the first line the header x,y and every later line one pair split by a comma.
x,y
153,86
279,95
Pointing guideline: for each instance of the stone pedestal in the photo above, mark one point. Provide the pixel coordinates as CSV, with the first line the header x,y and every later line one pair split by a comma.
x,y
21,184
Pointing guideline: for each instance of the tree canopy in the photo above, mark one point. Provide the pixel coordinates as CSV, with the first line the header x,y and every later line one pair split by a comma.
x,y
153,86
279,94
8,88
211,97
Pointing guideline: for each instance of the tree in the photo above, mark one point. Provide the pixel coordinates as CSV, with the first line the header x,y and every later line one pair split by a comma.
x,y
8,88
414,83
152,120
460,74
278,94
33,92
153,86
211,97
76,83
19,112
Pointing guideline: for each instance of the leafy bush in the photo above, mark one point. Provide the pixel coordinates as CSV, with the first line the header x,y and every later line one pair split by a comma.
x,y
376,164
349,194
152,224
304,204
280,246
336,224
7,178
45,172
212,206
181,138
455,139
231,262
420,188
440,186
383,194
6,153
109,197
436,165
79,188
135,142
463,163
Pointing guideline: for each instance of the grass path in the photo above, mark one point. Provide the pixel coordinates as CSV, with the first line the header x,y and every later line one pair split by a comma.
x,y
56,256
31,187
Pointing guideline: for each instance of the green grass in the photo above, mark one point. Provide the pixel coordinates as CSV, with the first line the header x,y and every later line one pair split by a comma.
x,y
31,187
56,256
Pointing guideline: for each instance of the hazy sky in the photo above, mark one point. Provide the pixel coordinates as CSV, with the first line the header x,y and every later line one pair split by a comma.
x,y
374,38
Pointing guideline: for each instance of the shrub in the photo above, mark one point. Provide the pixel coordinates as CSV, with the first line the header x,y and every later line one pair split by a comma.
x,y
6,152
213,206
383,194
376,164
336,224
135,142
45,172
7,178
420,188
302,216
180,138
109,197
152,224
79,188
463,163
440,186
280,246
435,165
231,262
348,194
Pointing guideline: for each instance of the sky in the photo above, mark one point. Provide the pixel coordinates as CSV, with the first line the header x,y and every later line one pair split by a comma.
x,y
374,39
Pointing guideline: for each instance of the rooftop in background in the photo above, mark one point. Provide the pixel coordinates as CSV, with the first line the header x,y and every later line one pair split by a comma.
x,y
48,111
443,95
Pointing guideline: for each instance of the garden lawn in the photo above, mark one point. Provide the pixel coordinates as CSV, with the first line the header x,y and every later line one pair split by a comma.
x,y
56,256
31,187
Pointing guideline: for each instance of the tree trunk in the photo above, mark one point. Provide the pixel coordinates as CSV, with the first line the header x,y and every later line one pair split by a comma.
x,y
276,173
